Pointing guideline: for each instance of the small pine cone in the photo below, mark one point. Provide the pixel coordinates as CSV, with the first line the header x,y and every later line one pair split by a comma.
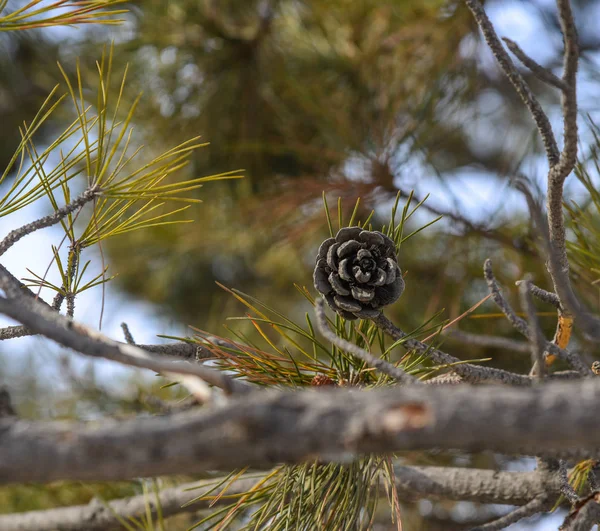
x,y
320,380
358,273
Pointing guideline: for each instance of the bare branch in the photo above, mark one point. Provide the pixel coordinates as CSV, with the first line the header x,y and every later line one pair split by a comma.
x,y
536,337
15,235
12,332
536,506
477,485
501,302
543,295
78,337
127,334
516,79
542,73
470,373
572,358
100,516
377,363
271,427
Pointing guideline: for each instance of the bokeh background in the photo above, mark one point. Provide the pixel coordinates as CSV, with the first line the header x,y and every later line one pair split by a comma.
x,y
354,98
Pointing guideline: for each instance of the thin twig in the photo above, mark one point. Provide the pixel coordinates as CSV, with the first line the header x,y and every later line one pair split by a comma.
x,y
543,295
469,372
14,236
536,337
560,171
381,365
74,335
73,263
542,73
127,333
565,487
535,506
516,79
501,302
572,358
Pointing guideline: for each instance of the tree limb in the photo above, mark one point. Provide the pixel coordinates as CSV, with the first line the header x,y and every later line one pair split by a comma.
x,y
98,515
76,336
271,427
412,482
476,485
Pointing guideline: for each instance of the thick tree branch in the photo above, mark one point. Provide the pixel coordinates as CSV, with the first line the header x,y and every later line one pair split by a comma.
x,y
412,482
476,485
270,427
381,365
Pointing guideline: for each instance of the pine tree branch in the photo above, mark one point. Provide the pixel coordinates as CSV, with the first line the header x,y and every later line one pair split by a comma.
x,y
559,171
412,482
572,358
100,516
271,427
379,364
180,349
76,336
474,484
470,373
15,235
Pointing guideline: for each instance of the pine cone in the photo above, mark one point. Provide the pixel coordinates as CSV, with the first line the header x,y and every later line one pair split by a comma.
x,y
358,273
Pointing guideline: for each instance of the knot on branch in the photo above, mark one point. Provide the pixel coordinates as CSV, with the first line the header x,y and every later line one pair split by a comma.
x,y
357,272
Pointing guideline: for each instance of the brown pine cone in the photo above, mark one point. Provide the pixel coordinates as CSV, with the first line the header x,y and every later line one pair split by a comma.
x,y
358,273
